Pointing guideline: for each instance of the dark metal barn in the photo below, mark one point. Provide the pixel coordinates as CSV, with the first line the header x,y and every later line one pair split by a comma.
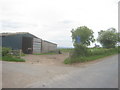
x,y
27,42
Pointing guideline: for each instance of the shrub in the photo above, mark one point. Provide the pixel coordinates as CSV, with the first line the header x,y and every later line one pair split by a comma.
x,y
118,49
11,55
79,50
5,51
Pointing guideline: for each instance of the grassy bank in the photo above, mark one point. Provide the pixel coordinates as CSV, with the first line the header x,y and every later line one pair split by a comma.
x,y
10,58
93,55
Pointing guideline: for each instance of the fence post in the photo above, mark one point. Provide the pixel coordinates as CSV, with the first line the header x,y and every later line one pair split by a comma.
x,y
20,53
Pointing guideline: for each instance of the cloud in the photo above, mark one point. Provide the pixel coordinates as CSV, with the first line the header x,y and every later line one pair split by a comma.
x,y
8,25
16,26
53,19
66,22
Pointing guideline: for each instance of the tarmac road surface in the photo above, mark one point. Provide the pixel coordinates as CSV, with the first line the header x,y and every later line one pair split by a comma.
x,y
100,74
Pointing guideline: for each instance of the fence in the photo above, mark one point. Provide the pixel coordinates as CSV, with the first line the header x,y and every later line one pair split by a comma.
x,y
16,52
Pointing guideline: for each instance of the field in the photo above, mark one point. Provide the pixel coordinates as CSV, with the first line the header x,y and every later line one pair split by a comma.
x,y
66,49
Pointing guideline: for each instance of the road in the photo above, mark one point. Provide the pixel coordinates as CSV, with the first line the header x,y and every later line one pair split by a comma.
x,y
96,74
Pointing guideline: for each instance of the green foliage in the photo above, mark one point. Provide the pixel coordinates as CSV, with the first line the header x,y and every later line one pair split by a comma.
x,y
11,55
66,49
108,38
0,58
81,53
101,51
85,34
118,49
79,50
11,58
94,53
118,34
5,51
86,37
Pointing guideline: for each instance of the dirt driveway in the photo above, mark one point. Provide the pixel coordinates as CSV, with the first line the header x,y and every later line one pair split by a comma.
x,y
56,59
53,60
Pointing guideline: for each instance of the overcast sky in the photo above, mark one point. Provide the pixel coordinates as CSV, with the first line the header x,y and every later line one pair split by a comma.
x,y
53,20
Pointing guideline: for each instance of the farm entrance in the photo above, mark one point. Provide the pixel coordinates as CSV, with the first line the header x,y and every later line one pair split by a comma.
x,y
27,45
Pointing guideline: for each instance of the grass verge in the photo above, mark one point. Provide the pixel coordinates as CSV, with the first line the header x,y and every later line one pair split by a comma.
x,y
10,58
71,60
0,58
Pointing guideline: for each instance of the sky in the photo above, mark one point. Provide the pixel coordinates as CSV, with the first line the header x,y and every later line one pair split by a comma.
x,y
53,20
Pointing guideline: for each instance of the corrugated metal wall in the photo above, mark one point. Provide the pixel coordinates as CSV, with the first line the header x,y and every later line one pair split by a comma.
x,y
37,45
14,41
48,46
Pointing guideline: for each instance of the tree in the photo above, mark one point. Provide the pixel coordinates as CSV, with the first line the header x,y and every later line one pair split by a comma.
x,y
85,34
108,38
118,36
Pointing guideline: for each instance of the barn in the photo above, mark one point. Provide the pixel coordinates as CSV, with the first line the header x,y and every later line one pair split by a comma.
x,y
27,42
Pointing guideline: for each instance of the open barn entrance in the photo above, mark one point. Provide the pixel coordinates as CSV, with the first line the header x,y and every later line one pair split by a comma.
x,y
27,45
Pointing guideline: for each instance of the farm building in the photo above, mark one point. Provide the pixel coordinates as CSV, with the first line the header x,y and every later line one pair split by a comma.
x,y
48,46
27,42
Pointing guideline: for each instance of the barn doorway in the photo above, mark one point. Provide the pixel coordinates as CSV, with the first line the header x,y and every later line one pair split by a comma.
x,y
27,45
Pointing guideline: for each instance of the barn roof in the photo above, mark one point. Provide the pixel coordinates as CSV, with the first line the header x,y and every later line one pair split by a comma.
x,y
49,42
17,33
9,34
22,33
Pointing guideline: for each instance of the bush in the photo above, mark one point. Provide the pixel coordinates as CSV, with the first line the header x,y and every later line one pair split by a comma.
x,y
11,55
5,51
118,49
79,50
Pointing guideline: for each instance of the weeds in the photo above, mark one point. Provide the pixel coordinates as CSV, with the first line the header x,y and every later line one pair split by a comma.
x,y
11,55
